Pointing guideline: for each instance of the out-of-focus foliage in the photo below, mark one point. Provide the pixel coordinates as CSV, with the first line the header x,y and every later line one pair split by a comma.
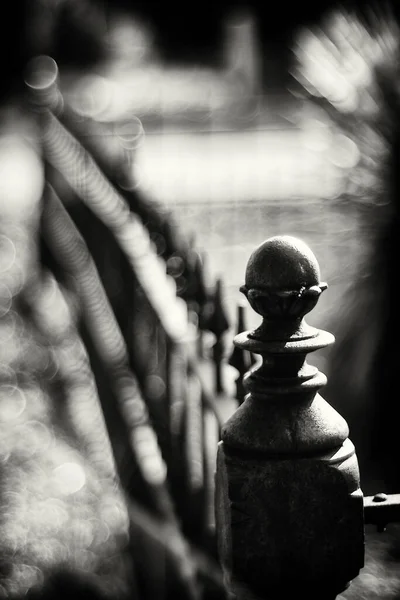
x,y
347,67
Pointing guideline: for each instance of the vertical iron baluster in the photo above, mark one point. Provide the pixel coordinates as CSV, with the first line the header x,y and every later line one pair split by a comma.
x,y
176,381
205,307
211,437
218,324
194,440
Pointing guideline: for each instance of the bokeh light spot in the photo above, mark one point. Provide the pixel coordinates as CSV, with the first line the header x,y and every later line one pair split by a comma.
x,y
69,478
7,253
5,299
12,402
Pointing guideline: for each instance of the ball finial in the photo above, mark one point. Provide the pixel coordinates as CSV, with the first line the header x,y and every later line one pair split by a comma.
x,y
282,263
283,278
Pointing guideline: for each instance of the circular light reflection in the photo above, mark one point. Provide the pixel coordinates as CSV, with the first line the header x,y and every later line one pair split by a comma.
x,y
48,551
14,278
155,387
7,253
82,533
5,299
317,138
175,266
37,437
92,96
27,576
101,532
54,514
21,178
41,73
12,402
131,134
69,478
344,152
114,514
85,559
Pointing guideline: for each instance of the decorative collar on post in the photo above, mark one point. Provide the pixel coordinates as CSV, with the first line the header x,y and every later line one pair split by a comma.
x,y
241,360
289,508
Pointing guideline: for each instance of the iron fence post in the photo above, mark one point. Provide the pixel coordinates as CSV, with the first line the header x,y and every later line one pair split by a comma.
x,y
289,508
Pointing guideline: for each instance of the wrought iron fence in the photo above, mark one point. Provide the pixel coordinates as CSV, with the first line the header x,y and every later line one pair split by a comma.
x,y
120,302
